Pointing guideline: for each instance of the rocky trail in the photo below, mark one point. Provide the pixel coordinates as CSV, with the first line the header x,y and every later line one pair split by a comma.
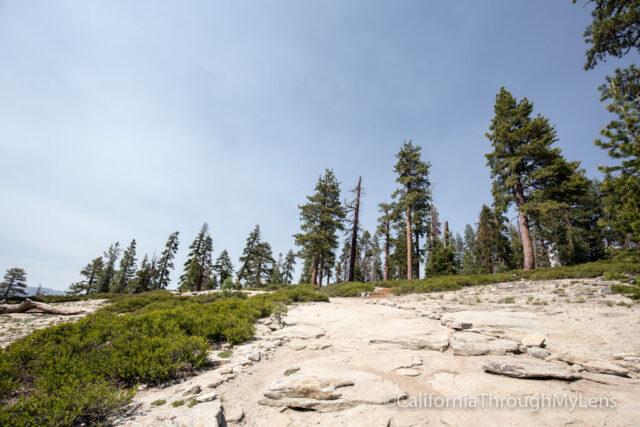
x,y
370,361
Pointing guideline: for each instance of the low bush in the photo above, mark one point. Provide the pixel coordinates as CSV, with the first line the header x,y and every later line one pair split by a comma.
x,y
84,371
347,289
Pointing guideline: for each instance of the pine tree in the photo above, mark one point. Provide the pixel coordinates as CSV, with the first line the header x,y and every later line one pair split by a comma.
x,y
143,277
470,255
257,260
413,176
14,283
92,273
276,271
517,258
492,244
321,217
198,266
384,228
165,262
615,30
441,261
223,266
378,273
523,160
288,267
124,275
446,236
458,249
110,258
251,246
621,186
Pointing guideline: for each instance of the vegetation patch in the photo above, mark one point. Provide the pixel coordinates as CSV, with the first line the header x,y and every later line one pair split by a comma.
x,y
348,289
83,372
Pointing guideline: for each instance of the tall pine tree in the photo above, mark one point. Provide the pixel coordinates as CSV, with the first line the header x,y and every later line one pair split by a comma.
x,y
198,266
523,160
127,270
413,177
165,262
322,218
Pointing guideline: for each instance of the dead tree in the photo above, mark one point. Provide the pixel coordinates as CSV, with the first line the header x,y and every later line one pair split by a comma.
x,y
353,206
27,305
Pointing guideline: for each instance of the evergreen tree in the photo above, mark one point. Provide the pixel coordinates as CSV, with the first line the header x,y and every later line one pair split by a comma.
x,y
621,186
321,217
517,258
224,266
288,267
446,236
143,278
378,273
110,258
250,248
413,195
366,258
491,242
523,161
14,283
458,249
92,273
276,271
197,268
165,262
470,256
127,270
384,228
441,261
257,260
615,30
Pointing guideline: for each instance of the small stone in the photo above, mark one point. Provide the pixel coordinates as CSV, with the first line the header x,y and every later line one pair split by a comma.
x,y
206,397
234,414
291,370
416,361
538,352
577,368
216,383
297,347
196,389
142,387
533,340
254,357
458,326
408,372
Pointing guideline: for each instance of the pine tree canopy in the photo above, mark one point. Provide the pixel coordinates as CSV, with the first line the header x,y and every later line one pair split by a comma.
x,y
14,283
615,30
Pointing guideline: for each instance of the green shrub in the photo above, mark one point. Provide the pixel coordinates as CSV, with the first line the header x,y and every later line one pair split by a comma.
x,y
224,354
630,291
507,300
158,402
347,289
84,371
177,403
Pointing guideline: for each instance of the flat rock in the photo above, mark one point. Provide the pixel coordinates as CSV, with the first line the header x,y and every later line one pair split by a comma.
x,y
407,372
533,340
206,414
529,369
472,344
206,397
196,389
311,387
603,367
233,414
436,342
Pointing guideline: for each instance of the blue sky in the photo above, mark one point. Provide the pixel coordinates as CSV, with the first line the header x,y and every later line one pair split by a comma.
x,y
125,119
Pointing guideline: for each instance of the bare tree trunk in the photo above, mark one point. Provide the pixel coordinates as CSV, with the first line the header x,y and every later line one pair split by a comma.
x,y
314,273
386,252
527,247
354,234
28,305
417,266
320,273
409,244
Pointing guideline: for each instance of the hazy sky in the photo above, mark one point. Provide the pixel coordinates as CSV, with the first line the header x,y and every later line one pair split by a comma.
x,y
123,119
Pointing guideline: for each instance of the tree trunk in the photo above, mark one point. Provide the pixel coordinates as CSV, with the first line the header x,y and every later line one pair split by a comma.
x,y
527,247
409,246
354,235
28,305
386,252
314,273
417,266
320,273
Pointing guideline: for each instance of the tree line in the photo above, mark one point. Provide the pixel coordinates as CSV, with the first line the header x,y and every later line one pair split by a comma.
x,y
561,216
